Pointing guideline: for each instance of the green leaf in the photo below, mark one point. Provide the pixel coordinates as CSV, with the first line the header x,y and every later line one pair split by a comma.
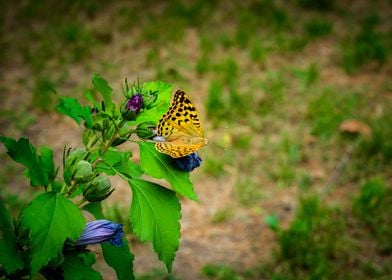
x,y
103,87
71,107
160,166
40,169
115,162
47,161
155,215
78,267
120,258
10,258
5,220
51,219
95,209
272,222
161,104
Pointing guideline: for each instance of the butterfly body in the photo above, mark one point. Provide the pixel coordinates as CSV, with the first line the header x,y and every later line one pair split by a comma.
x,y
179,131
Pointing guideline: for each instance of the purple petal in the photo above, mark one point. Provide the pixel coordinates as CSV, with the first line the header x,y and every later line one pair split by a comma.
x,y
100,231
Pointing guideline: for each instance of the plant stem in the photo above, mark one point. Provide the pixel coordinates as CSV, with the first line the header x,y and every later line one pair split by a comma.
x,y
109,142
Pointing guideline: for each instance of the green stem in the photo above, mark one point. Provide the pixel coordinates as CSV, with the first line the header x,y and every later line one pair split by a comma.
x,y
80,202
72,189
109,143
64,188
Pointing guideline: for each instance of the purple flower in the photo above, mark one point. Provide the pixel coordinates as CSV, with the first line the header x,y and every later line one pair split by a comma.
x,y
189,162
135,103
100,231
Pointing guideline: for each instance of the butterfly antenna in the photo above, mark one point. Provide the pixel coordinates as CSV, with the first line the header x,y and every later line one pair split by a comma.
x,y
219,146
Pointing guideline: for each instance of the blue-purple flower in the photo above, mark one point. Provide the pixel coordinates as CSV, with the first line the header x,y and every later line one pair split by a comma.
x,y
100,231
134,104
132,107
189,162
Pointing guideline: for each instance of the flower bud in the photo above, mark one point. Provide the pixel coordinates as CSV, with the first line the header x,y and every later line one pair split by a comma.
x,y
149,99
131,107
100,231
73,157
83,172
145,130
98,189
189,162
118,141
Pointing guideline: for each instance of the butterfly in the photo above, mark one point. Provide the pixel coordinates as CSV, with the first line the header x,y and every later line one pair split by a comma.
x,y
179,131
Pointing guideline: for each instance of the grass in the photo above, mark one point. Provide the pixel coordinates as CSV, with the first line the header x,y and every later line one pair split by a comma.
x,y
368,47
43,94
313,240
273,87
373,206
247,191
316,27
307,77
222,216
329,108
220,272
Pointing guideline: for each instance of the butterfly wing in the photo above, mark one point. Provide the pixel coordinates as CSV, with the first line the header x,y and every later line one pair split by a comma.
x,y
182,118
180,128
176,149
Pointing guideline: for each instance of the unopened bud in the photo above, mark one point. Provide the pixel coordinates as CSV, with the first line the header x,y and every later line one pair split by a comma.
x,y
98,189
149,99
131,108
73,157
145,130
83,172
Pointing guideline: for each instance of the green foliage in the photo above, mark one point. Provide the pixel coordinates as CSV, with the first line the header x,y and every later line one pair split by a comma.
x,y
247,191
258,53
47,237
312,241
102,86
161,104
202,65
318,27
329,108
43,93
161,166
307,77
220,272
368,46
155,214
10,258
157,274
229,70
213,167
273,86
115,162
379,144
374,207
120,259
59,219
72,108
40,167
78,266
272,222
222,216
215,104
322,5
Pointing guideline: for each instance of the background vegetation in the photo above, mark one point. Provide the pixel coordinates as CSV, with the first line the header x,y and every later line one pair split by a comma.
x,y
296,100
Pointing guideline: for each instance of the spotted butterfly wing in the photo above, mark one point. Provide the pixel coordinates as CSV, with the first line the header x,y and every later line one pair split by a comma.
x,y
180,128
